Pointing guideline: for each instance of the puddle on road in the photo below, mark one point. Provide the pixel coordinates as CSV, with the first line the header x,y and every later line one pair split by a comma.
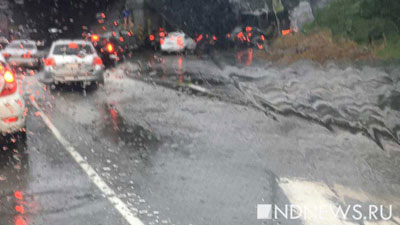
x,y
125,134
173,73
175,77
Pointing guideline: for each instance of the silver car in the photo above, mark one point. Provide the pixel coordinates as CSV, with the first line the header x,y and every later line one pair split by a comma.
x,y
22,53
71,61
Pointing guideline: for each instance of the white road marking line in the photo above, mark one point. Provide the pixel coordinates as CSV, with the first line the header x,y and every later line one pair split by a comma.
x,y
316,196
311,195
93,176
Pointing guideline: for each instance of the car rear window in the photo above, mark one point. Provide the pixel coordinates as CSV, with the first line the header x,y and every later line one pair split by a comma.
x,y
16,45
72,49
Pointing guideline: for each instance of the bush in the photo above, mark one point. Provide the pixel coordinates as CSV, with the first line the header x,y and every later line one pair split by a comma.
x,y
363,21
392,49
319,46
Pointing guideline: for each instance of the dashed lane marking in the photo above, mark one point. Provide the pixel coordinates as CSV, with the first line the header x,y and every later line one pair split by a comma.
x,y
118,204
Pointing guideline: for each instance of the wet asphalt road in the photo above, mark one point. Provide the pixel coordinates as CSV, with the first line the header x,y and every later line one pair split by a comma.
x,y
181,157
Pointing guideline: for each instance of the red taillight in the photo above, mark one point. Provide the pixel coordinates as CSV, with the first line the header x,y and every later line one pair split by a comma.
x,y
10,84
95,38
110,47
199,38
49,62
286,32
10,120
6,55
241,36
20,221
151,37
97,61
27,55
248,29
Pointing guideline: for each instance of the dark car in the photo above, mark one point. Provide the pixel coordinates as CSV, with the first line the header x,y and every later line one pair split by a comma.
x,y
249,36
153,41
108,47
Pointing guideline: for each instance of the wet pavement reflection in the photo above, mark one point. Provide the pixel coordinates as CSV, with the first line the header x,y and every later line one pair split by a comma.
x,y
331,95
14,169
177,155
126,134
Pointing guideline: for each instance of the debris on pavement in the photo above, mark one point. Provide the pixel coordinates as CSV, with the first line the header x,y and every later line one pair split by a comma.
x,y
320,47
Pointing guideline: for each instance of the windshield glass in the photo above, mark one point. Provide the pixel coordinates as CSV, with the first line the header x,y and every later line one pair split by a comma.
x,y
72,49
200,112
16,45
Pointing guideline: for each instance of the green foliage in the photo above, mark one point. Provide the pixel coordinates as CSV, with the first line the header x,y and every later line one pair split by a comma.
x,y
364,21
392,50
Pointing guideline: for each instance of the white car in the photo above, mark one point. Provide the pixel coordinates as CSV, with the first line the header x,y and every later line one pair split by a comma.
x,y
23,53
12,104
71,61
177,42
